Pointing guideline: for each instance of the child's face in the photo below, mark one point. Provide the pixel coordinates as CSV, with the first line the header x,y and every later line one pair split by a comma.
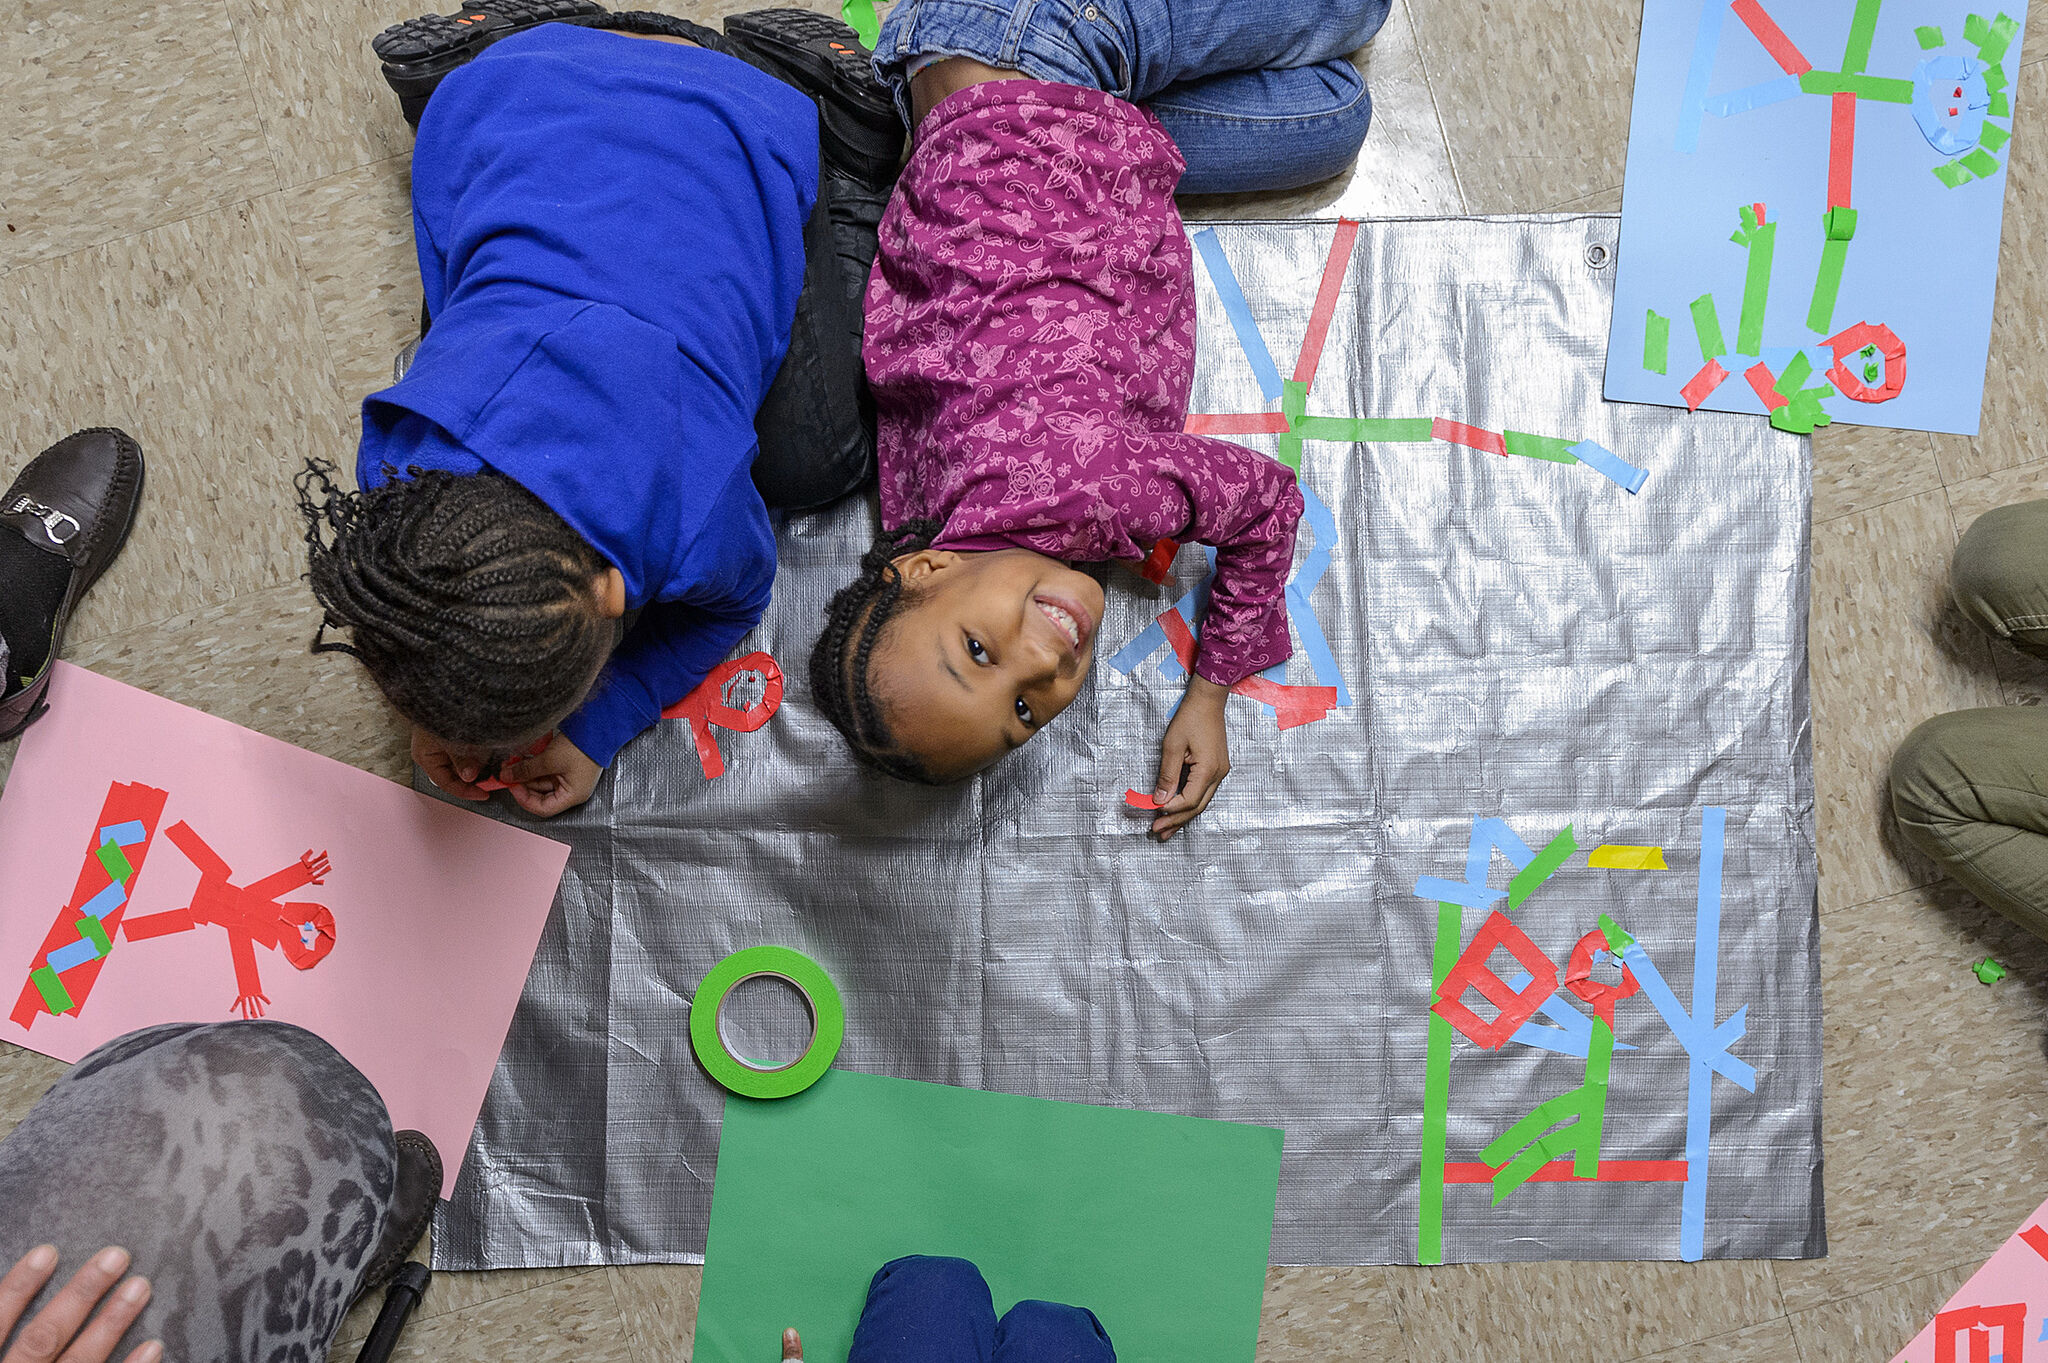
x,y
997,644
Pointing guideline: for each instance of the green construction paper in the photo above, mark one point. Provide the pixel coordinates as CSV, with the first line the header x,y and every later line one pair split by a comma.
x,y
1952,174
2001,105
1399,430
1706,321
1839,223
1290,452
91,931
1998,38
1880,88
1436,1091
1544,446
56,997
1975,30
1756,288
115,860
1656,346
860,17
1988,971
1159,1224
1536,872
1929,37
1293,399
1862,28
1981,163
1994,79
1994,136
1827,283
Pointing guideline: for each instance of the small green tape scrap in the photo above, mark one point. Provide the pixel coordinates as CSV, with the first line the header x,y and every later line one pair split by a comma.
x,y
1989,971
1392,430
1981,163
1536,872
1952,174
1930,37
2001,105
1994,79
1706,322
1803,413
1656,347
56,997
1998,38
1541,446
1975,30
1618,940
1840,222
1797,370
1294,400
91,931
116,861
1994,136
861,18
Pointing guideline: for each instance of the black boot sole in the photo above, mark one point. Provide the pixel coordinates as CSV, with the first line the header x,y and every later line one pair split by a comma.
x,y
861,132
418,52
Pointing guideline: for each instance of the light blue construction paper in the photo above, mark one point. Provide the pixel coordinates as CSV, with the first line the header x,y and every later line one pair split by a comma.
x,y
1924,260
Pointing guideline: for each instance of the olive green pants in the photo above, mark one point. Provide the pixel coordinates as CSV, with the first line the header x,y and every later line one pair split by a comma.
x,y
1971,789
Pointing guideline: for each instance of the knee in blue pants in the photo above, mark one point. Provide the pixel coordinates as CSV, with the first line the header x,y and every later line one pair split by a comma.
x,y
1046,1332
922,1309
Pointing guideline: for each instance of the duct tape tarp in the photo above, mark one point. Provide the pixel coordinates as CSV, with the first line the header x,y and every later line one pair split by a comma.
x,y
1505,662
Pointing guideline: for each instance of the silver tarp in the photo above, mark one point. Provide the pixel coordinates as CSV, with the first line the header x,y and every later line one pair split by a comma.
x,y
1515,639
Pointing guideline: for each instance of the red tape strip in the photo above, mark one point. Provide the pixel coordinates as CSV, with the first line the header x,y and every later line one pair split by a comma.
x,y
707,706
1138,799
1772,37
1702,385
1159,563
1293,706
1237,423
1841,150
1472,437
1850,384
2037,1240
1765,383
1326,301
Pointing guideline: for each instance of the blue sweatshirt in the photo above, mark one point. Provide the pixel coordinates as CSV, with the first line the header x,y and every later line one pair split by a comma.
x,y
610,237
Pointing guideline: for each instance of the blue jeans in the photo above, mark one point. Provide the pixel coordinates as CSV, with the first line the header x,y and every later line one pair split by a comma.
x,y
1256,95
924,1310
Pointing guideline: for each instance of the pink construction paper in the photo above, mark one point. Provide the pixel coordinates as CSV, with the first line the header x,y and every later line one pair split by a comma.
x,y
2011,1290
437,910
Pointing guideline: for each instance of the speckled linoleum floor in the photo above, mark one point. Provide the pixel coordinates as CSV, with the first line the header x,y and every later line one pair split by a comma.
x,y
207,242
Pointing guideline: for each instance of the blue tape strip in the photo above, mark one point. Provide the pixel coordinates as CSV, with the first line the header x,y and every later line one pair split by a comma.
x,y
1239,312
106,901
1573,1034
1440,891
1755,96
71,954
1306,578
1708,1045
1489,836
1612,465
1706,976
126,834
1693,107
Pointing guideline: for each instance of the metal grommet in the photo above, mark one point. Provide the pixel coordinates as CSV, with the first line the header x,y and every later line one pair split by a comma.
x,y
1090,13
1598,255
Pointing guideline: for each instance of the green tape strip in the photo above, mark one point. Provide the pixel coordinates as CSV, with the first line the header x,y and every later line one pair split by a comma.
x,y
1999,37
115,860
1994,79
2001,105
1839,223
1803,413
1975,30
1290,452
1706,322
1536,872
1394,430
1797,370
1756,289
56,997
1981,163
1436,1092
1952,174
1656,345
1541,446
827,1014
1618,938
91,931
1994,136
1593,1116
1293,400
1880,88
860,17
1834,255
1929,37
1862,28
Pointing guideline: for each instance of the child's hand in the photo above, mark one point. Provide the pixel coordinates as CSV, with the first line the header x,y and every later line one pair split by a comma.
x,y
451,772
792,1347
558,778
1194,757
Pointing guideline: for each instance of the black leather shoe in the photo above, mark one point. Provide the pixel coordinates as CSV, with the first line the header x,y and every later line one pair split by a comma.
x,y
418,52
61,523
412,1207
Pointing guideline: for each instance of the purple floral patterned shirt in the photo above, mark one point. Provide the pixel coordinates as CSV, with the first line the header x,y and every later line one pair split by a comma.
x,y
1030,342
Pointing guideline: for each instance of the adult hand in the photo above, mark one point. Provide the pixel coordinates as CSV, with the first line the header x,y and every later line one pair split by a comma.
x,y
792,1347
559,777
450,771
1194,757
56,1329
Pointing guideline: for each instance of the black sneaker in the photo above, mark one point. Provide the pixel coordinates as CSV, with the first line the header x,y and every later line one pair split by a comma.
x,y
861,132
418,52
413,1195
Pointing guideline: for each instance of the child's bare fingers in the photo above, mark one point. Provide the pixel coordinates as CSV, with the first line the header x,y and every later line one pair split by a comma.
x,y
95,1343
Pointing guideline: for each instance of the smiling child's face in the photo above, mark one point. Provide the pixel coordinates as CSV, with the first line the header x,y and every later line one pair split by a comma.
x,y
996,644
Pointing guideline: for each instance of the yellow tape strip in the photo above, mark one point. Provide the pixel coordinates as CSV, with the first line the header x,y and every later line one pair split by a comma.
x,y
1615,856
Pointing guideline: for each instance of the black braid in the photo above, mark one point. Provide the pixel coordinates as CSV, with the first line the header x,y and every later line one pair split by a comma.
x,y
854,623
469,601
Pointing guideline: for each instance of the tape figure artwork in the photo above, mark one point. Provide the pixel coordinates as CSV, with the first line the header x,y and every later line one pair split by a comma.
x,y
740,694
1808,222
2000,1311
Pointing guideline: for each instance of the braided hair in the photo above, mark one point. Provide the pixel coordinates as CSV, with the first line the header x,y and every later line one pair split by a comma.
x,y
467,598
855,621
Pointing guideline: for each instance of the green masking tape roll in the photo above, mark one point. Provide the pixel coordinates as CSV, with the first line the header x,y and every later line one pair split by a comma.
x,y
745,1077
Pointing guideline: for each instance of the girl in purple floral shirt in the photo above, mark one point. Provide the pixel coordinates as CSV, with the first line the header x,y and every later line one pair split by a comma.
x,y
1030,344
